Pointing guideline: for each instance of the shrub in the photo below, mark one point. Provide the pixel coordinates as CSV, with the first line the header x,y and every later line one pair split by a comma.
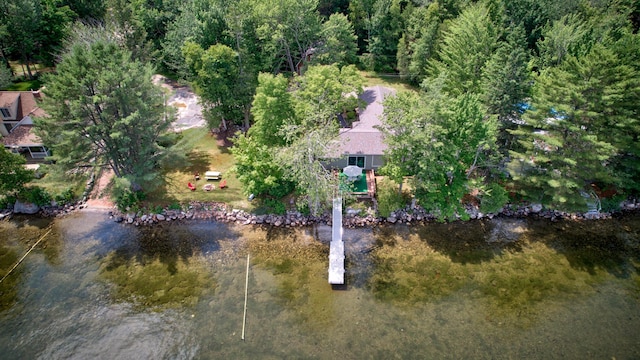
x,y
389,199
303,208
494,198
7,201
275,206
175,206
611,204
35,195
126,198
65,197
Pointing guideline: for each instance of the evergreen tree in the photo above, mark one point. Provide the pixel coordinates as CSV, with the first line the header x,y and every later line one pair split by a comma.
x,y
467,46
584,115
507,83
339,44
102,105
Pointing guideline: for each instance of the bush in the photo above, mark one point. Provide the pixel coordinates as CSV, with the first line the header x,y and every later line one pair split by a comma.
x,y
494,198
303,208
65,197
35,195
275,206
126,199
7,201
389,199
175,206
611,204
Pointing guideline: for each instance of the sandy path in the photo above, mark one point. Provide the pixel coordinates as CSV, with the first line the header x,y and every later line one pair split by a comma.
x,y
99,197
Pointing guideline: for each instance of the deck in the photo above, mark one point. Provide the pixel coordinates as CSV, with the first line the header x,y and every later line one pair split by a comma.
x,y
336,248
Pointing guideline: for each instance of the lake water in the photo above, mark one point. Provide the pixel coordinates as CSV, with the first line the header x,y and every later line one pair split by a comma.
x,y
498,289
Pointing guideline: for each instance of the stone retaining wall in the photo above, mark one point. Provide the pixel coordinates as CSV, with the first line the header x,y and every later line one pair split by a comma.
x,y
416,215
220,212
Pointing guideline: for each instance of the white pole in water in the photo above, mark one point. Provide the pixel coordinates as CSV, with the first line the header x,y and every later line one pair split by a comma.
x,y
25,255
246,291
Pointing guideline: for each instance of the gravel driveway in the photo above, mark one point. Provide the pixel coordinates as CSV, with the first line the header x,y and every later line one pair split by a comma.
x,y
189,112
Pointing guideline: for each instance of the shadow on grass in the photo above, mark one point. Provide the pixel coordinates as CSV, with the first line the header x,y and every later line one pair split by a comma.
x,y
198,161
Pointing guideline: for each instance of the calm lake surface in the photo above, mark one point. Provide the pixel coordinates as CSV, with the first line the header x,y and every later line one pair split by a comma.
x,y
500,289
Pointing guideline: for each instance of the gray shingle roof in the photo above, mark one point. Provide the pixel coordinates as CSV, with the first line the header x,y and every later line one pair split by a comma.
x,y
363,137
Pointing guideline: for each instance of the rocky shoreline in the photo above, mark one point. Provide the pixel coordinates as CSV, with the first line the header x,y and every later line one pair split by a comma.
x,y
352,219
220,212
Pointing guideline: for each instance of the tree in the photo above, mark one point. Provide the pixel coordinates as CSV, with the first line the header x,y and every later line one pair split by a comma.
x,y
272,109
297,122
582,125
567,36
289,29
386,27
13,174
339,42
303,158
402,127
419,42
507,83
257,170
214,72
324,87
5,77
442,142
102,105
199,21
467,46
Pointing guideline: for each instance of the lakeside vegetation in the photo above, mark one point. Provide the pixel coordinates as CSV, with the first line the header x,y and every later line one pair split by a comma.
x,y
527,100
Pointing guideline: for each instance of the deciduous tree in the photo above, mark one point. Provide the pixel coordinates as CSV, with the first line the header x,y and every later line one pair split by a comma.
x,y
13,174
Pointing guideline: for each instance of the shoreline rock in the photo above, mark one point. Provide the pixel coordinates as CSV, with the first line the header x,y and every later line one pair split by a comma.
x,y
410,215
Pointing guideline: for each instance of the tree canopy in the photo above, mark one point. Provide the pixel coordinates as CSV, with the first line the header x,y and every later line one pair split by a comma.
x,y
102,105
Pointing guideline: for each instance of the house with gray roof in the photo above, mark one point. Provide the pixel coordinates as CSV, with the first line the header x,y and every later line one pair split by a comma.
x,y
362,143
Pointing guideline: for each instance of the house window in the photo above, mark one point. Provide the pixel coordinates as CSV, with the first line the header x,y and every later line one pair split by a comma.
x,y
357,161
5,113
8,126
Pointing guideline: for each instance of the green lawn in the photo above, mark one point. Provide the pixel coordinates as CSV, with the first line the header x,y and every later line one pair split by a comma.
x,y
56,181
392,81
203,154
24,85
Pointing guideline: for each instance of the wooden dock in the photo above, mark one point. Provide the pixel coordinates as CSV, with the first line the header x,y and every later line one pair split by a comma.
x,y
336,249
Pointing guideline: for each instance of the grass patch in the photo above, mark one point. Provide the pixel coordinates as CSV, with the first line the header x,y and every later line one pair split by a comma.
x,y
202,154
25,85
56,181
392,81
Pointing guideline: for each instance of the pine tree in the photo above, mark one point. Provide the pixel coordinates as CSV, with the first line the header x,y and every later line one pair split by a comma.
x,y
582,122
102,105
467,46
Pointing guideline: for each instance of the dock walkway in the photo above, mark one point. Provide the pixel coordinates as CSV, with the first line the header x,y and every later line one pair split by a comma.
x,y
336,249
